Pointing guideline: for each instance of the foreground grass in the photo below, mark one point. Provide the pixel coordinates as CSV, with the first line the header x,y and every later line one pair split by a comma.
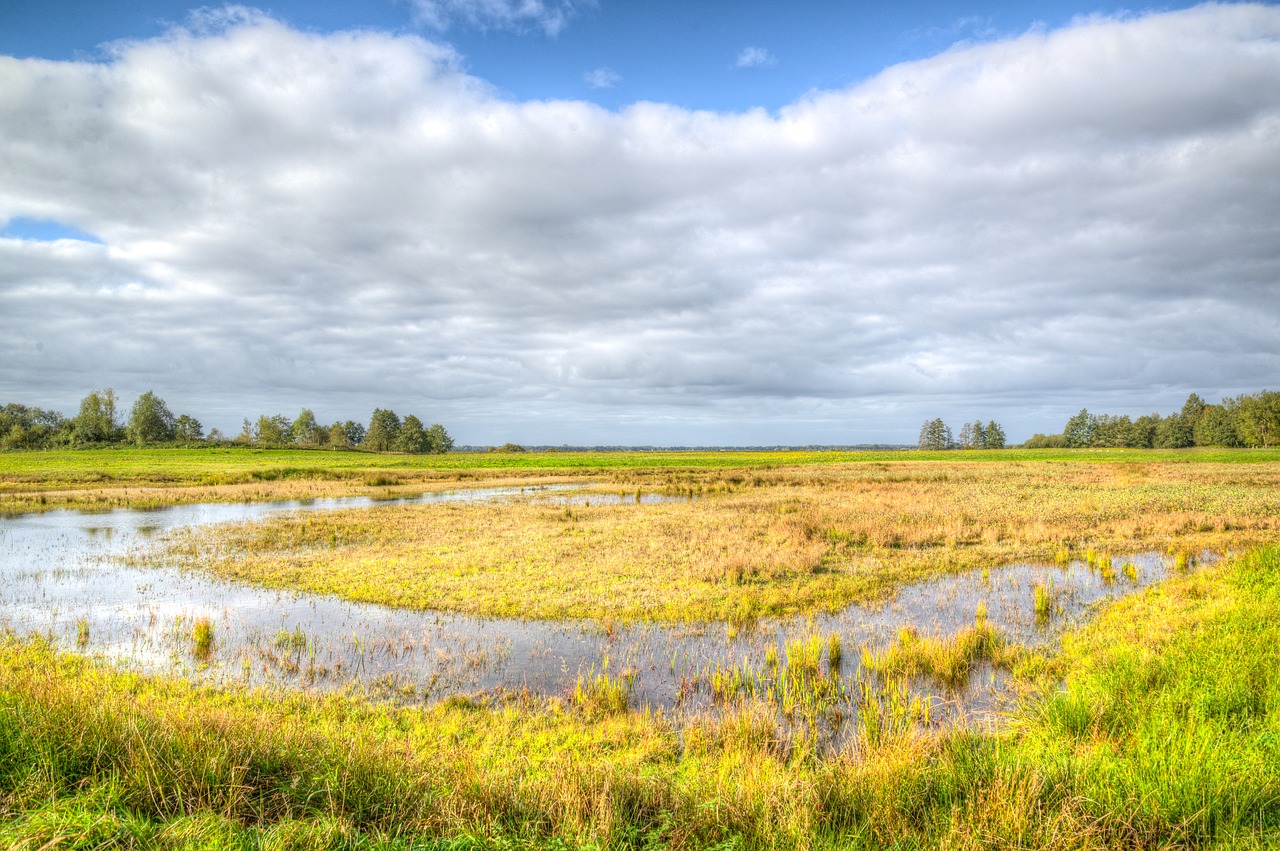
x,y
755,543
105,478
1167,734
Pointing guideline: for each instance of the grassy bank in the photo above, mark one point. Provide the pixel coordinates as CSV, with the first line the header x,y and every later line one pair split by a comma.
x,y
755,542
103,478
1167,734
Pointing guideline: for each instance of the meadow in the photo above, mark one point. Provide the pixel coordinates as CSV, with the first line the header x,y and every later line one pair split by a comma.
x,y
1155,724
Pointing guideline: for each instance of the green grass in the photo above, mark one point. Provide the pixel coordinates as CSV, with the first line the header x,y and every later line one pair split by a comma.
x,y
166,476
1166,734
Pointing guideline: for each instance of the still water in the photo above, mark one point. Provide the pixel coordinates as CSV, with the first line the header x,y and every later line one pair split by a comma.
x,y
72,576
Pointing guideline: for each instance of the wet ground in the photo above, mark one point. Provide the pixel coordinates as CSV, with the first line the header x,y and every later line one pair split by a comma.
x,y
67,575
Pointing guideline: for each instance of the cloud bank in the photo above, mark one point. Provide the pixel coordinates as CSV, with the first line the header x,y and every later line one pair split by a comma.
x,y
1083,216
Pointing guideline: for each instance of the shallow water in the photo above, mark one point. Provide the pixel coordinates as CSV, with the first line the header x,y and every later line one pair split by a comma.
x,y
65,574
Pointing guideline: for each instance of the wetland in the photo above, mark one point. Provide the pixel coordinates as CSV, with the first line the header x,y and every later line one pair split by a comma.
x,y
792,629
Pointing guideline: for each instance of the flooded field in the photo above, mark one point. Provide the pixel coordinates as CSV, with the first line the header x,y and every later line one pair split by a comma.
x,y
75,578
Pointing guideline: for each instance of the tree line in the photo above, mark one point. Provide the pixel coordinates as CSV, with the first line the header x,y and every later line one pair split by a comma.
x,y
1246,420
936,434
150,422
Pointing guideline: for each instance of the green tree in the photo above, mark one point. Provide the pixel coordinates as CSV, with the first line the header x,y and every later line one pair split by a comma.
x,y
33,428
1192,410
384,428
305,431
338,437
412,438
187,429
1216,427
1257,418
994,437
1174,433
438,440
1079,429
97,421
150,420
1145,428
354,432
935,434
272,431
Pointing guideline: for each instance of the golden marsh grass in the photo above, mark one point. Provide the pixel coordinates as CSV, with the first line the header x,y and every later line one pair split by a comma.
x,y
753,543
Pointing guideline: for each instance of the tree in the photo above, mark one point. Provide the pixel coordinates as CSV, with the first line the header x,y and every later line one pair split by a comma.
x,y
438,440
96,422
1216,427
384,428
150,420
354,432
32,428
305,431
272,431
935,434
1257,418
994,436
1079,429
338,437
1192,410
1174,433
187,429
1144,430
1112,431
412,437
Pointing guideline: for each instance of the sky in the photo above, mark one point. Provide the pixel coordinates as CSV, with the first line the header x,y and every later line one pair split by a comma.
x,y
626,223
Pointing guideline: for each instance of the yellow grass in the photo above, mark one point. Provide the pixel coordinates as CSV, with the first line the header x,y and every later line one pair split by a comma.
x,y
756,542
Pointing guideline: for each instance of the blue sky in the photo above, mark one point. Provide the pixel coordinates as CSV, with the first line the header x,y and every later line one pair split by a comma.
x,y
690,54
548,221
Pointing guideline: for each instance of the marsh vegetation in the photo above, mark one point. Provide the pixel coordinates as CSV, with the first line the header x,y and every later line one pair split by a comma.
x,y
803,655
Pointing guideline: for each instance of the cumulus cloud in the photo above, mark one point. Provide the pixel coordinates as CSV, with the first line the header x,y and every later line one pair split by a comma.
x,y
755,57
1086,216
550,16
602,78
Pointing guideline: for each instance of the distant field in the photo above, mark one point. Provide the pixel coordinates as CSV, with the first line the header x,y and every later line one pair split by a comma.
x,y
126,476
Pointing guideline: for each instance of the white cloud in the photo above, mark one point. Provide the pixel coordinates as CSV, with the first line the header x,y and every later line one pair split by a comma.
x,y
550,16
602,78
1079,217
755,57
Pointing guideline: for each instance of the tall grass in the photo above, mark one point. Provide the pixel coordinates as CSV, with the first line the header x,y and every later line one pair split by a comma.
x,y
1166,734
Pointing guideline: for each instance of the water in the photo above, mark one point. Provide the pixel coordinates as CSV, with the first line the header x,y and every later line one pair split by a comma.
x,y
70,575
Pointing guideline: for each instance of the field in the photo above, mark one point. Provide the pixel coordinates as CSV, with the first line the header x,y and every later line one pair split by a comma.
x,y
1155,724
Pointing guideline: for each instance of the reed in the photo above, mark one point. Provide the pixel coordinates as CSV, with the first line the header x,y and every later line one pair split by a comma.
x,y
202,638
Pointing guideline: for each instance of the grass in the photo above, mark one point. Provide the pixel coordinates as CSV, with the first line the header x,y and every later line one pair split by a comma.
x,y
1165,733
104,478
763,542
202,638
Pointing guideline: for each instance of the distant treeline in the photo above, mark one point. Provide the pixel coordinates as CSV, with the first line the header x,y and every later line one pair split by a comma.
x,y
1243,421
935,434
151,423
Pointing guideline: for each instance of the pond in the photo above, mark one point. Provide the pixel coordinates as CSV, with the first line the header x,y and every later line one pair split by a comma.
x,y
73,577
